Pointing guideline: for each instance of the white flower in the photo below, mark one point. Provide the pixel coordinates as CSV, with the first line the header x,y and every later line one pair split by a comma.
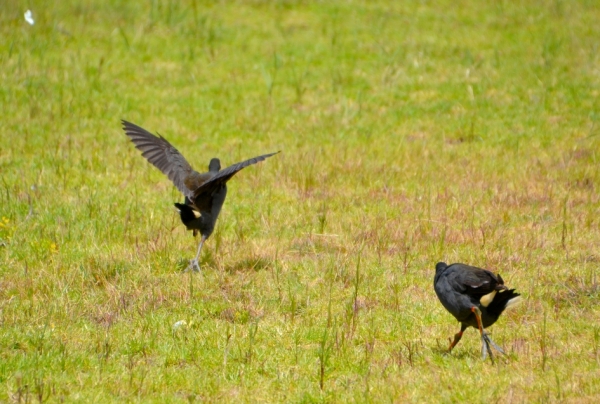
x,y
29,17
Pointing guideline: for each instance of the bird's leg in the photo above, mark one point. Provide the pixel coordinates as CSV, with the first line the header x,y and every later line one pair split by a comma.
x,y
457,338
194,262
485,339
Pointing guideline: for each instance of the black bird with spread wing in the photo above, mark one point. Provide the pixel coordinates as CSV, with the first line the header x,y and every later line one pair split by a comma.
x,y
475,297
204,192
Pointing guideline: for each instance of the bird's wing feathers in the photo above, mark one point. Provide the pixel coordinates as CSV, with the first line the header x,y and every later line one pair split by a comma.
x,y
159,152
225,175
479,279
472,280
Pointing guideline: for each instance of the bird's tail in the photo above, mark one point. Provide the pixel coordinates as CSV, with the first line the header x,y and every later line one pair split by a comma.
x,y
503,300
188,214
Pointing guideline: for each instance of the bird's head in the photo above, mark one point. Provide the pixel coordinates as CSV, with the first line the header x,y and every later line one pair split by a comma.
x,y
439,267
215,165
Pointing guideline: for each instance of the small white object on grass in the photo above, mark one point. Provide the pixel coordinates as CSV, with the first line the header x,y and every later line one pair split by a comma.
x,y
179,324
29,17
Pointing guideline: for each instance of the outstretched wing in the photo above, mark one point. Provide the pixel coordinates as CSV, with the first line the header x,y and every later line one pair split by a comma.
x,y
159,152
225,175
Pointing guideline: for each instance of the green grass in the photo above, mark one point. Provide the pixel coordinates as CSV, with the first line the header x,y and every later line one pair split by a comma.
x,y
411,132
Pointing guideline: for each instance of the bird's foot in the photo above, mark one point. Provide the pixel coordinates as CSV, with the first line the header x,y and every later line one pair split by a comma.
x,y
193,266
486,344
494,345
485,349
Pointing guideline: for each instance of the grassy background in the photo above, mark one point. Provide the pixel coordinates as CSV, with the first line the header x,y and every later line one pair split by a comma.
x,y
411,132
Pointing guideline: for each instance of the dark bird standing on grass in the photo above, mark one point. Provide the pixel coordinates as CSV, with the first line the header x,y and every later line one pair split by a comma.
x,y
476,297
204,192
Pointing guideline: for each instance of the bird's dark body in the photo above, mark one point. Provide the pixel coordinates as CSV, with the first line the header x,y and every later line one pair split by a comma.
x,y
460,287
205,222
475,297
204,192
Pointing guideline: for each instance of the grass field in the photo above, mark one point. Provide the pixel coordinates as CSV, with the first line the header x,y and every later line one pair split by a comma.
x,y
411,132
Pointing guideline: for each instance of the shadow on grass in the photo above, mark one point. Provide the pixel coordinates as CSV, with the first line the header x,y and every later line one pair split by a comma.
x,y
207,261
463,355
458,354
255,263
